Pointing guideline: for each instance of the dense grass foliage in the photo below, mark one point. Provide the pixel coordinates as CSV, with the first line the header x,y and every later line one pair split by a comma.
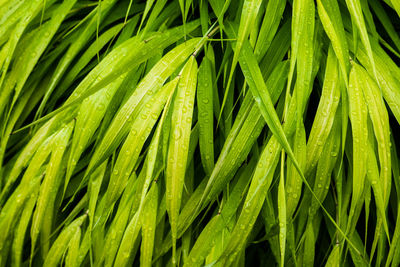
x,y
199,132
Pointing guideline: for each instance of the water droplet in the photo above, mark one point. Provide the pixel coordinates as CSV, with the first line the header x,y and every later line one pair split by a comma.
x,y
177,133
